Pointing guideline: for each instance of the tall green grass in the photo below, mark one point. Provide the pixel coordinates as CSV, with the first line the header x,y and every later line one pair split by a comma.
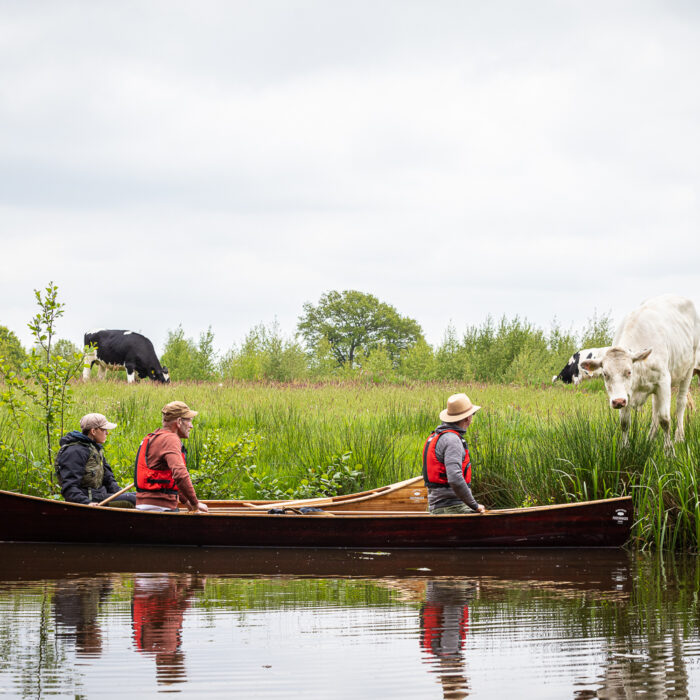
x,y
529,445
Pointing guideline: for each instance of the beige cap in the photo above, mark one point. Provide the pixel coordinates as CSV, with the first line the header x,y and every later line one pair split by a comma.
x,y
458,407
177,409
95,420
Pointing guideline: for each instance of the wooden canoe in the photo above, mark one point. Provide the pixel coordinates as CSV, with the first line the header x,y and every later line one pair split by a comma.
x,y
604,523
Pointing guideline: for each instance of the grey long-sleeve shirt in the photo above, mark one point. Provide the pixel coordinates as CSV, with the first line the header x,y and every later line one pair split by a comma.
x,y
450,451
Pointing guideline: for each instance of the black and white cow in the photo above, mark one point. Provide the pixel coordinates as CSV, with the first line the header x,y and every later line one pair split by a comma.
x,y
573,373
133,351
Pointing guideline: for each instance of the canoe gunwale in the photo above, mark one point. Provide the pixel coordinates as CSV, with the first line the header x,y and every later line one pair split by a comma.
x,y
346,513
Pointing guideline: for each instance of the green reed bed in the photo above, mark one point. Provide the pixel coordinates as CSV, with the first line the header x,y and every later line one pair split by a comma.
x,y
529,445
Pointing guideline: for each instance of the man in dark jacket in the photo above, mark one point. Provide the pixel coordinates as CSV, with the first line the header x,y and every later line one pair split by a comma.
x,y
82,469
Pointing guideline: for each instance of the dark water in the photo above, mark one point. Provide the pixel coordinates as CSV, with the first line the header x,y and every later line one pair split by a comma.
x,y
92,621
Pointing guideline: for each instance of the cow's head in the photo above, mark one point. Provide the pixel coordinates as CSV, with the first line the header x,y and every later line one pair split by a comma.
x,y
617,366
160,375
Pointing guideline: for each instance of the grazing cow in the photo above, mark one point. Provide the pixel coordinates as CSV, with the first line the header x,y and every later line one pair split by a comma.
x,y
117,349
573,373
654,350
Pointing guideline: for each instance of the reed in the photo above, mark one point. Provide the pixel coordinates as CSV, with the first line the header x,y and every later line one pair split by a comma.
x,y
529,445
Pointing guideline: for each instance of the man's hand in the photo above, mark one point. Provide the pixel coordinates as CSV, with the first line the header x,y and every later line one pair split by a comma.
x,y
200,507
93,503
480,509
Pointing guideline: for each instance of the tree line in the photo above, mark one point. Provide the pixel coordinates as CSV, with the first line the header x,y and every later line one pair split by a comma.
x,y
352,335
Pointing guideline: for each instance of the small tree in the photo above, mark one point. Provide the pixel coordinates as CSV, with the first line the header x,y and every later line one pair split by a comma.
x,y
418,362
186,359
265,354
40,389
598,332
354,324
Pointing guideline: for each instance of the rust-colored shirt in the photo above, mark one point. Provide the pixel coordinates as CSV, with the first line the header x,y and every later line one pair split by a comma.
x,y
166,448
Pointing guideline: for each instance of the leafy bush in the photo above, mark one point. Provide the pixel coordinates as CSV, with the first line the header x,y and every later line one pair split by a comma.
x,y
11,351
216,464
265,354
186,359
340,476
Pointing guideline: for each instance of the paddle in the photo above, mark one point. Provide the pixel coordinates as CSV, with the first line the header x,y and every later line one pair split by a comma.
x,y
114,495
292,504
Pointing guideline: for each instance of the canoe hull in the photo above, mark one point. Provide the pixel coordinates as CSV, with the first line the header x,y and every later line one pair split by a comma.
x,y
604,523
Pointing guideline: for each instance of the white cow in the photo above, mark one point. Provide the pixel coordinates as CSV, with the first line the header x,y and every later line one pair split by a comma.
x,y
654,349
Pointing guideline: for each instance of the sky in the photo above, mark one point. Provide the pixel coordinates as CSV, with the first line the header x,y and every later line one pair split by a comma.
x,y
219,164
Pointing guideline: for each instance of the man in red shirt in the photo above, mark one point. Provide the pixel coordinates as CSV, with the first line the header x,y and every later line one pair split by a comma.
x,y
161,468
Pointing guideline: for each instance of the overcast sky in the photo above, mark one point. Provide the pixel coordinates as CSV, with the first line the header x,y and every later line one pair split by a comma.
x,y
221,163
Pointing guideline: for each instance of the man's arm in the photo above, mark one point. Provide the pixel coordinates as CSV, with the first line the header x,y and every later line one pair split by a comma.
x,y
453,456
182,478
71,466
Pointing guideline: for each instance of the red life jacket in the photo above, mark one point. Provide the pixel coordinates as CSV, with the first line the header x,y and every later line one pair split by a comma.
x,y
156,618
434,472
149,477
433,626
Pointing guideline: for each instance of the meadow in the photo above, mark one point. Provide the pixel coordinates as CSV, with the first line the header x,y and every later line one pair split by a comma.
x,y
529,445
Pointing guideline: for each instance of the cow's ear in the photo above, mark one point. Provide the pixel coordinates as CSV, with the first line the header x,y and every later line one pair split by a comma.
x,y
591,365
641,355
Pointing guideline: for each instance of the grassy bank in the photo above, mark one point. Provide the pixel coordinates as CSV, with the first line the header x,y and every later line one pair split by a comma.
x,y
529,445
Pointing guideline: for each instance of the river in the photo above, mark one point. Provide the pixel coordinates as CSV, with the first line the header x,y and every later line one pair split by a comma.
x,y
100,621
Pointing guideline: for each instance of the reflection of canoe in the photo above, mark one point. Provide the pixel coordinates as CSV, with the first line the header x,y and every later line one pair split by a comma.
x,y
603,523
410,494
573,569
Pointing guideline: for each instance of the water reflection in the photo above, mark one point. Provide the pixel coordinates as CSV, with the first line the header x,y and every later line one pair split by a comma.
x,y
157,611
444,622
76,604
276,623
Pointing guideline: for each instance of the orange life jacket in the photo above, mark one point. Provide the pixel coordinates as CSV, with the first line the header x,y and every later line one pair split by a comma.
x,y
434,471
148,477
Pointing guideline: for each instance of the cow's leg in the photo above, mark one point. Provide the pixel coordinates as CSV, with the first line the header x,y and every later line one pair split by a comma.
x,y
662,407
130,372
101,370
681,402
654,417
88,361
625,416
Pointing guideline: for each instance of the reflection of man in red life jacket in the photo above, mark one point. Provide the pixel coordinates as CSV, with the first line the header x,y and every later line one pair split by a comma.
x,y
447,469
444,621
157,611
76,604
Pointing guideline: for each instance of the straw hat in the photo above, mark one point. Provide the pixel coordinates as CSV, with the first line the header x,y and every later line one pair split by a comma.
x,y
458,407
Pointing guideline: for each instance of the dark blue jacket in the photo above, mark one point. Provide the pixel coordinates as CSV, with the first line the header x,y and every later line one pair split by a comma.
x,y
71,460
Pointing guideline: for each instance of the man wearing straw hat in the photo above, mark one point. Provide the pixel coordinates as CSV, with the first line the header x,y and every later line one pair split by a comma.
x,y
447,468
161,472
82,468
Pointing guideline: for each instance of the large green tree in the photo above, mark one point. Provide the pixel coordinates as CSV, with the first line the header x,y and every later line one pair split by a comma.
x,y
353,324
